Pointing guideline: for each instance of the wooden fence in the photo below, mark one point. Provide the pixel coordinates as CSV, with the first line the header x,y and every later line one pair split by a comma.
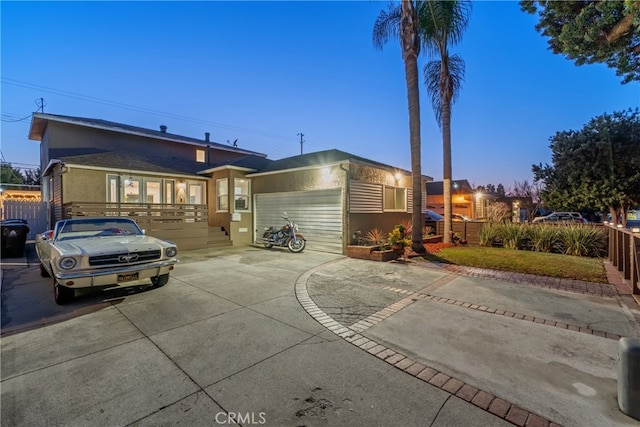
x,y
185,225
624,254
35,212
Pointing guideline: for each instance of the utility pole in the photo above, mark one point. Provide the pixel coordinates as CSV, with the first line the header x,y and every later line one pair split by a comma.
x,y
301,141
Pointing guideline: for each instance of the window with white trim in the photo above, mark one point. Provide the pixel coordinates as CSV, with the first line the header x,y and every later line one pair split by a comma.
x,y
395,199
222,195
241,194
200,156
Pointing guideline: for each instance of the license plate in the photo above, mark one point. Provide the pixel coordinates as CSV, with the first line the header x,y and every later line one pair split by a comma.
x,y
127,277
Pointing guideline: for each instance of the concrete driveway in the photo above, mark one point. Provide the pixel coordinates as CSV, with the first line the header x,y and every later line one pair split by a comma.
x,y
264,337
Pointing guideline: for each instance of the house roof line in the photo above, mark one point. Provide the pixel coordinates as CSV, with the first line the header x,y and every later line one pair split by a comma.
x,y
128,171
225,167
39,120
309,167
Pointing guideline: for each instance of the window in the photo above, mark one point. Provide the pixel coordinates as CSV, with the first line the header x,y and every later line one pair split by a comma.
x,y
200,156
137,189
222,195
241,194
152,191
169,191
395,199
195,193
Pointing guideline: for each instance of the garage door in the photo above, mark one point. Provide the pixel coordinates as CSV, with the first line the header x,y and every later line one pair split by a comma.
x,y
317,213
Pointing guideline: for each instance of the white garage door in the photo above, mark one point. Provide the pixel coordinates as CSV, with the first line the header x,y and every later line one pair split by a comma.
x,y
317,213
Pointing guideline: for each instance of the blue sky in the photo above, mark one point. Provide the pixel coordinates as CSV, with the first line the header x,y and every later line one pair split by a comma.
x,y
262,72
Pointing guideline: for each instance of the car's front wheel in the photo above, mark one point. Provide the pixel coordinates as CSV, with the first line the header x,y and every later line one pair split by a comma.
x,y
43,271
62,294
159,281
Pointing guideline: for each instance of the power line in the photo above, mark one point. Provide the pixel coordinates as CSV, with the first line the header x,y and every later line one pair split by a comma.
x,y
131,107
7,120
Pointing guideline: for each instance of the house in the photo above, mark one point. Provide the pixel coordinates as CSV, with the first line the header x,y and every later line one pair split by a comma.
x,y
200,193
464,199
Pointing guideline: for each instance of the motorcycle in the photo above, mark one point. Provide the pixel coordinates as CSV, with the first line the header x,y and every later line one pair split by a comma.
x,y
287,236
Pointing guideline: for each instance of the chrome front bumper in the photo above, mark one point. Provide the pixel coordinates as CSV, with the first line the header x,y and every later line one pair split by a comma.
x,y
109,276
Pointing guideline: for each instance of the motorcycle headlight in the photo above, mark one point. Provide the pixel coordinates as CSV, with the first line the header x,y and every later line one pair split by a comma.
x,y
171,252
67,263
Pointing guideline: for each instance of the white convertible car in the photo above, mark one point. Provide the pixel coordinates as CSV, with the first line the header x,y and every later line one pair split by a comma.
x,y
102,252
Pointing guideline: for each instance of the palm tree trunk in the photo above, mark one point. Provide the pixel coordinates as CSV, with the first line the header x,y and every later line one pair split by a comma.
x,y
446,94
410,51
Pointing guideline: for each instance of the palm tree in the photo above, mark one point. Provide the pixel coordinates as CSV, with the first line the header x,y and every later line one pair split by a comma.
x,y
441,25
402,22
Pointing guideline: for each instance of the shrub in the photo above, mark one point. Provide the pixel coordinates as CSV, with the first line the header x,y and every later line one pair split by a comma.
x,y
582,241
514,236
499,212
427,231
398,235
544,238
488,234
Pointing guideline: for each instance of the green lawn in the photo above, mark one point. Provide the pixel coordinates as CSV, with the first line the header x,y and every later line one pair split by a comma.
x,y
546,264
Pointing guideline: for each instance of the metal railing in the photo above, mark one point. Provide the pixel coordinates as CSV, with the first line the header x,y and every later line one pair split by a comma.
x,y
624,254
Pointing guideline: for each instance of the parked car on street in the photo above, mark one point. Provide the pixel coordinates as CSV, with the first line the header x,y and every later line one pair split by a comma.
x,y
574,217
430,215
102,252
460,218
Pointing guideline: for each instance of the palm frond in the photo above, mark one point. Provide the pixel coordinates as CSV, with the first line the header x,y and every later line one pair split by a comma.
x,y
387,25
442,23
443,88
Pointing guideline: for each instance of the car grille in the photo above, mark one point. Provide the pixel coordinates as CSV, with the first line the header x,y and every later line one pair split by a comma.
x,y
124,258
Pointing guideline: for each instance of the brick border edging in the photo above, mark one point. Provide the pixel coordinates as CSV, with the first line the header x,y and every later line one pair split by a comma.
x,y
481,399
373,319
569,285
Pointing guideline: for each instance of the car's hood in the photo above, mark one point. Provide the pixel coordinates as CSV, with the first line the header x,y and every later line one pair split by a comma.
x,y
93,246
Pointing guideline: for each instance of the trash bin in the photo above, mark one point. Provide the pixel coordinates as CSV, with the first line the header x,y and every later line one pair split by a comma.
x,y
14,237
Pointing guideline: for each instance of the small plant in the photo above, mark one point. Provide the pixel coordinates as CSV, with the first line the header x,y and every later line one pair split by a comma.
x,y
427,231
398,236
408,226
375,236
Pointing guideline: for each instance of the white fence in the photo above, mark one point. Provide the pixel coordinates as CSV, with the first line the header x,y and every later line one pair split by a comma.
x,y
36,214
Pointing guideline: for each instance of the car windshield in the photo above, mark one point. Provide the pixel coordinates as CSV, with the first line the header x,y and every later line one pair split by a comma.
x,y
82,228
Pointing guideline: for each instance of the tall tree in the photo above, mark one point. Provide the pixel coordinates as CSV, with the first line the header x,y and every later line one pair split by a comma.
x,y
442,24
403,23
31,176
9,175
590,32
595,167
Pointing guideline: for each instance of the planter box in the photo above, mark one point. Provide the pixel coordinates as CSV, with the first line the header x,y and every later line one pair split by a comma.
x,y
371,252
432,239
360,252
384,256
